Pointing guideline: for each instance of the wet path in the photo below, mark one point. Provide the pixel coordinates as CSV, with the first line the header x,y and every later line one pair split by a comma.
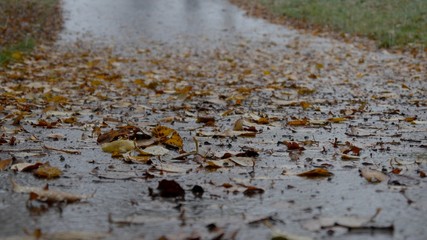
x,y
193,23
180,59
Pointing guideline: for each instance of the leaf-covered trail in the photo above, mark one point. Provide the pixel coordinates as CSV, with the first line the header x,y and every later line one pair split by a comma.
x,y
263,110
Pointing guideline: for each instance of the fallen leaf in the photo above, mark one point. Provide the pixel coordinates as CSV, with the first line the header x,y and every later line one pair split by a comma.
x,y
168,136
373,176
172,168
170,189
118,146
337,120
252,191
5,163
197,191
128,132
305,105
293,146
349,157
316,173
47,171
56,136
288,236
358,132
219,163
154,150
25,167
47,195
135,159
207,120
243,161
298,122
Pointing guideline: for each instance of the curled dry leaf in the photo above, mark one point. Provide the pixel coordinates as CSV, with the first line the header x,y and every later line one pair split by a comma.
x,y
47,195
243,125
373,176
25,167
252,191
119,146
349,157
316,173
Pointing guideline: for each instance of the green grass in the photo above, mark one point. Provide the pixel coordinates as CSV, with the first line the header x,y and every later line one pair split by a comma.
x,y
390,22
24,24
14,52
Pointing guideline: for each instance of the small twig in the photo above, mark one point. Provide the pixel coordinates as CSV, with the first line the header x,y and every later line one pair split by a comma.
x,y
22,150
377,212
70,151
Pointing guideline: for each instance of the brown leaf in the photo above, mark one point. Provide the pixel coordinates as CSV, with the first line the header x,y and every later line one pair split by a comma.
x,y
5,163
252,191
298,122
25,167
316,173
126,132
170,189
207,120
293,146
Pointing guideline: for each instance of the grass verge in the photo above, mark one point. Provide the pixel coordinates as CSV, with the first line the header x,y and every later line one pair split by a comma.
x,y
392,23
25,23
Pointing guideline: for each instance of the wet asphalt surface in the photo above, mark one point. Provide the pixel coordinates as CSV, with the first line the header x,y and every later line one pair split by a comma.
x,y
288,201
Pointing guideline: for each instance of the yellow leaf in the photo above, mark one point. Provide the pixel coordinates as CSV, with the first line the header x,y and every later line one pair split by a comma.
x,y
119,146
47,171
305,105
337,120
17,55
305,91
168,136
298,122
